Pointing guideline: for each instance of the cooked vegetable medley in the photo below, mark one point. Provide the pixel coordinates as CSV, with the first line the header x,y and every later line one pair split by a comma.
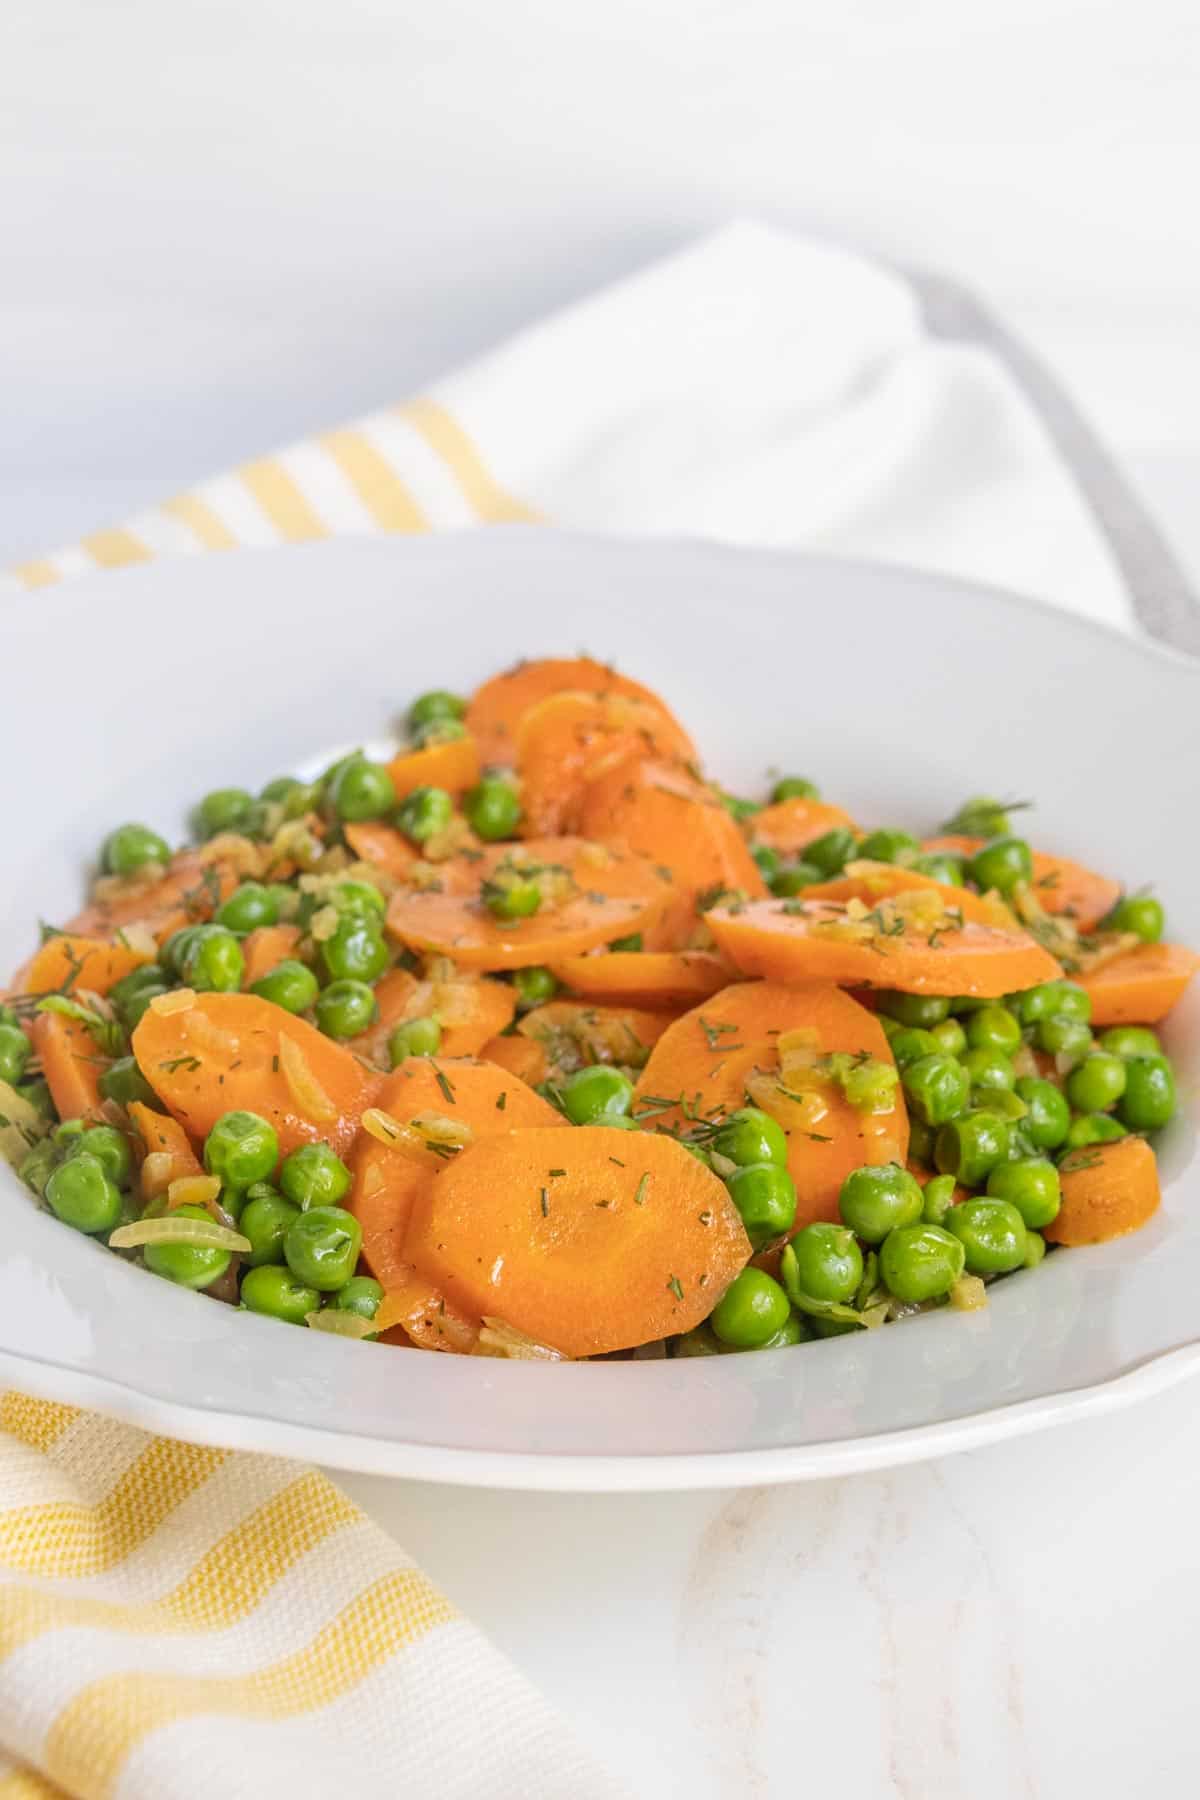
x,y
534,1042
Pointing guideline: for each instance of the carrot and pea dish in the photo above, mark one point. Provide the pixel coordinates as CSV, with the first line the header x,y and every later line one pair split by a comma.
x,y
532,1041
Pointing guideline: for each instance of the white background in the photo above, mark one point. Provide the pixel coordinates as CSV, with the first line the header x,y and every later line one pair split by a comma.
x,y
225,222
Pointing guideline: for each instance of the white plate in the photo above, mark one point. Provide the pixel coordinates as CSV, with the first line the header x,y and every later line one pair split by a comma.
x,y
128,696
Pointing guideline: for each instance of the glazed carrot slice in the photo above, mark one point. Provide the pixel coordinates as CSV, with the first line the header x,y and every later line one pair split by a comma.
x,y
453,765
588,1240
918,952
498,706
70,1062
790,825
1060,886
386,1183
191,890
663,812
163,1137
872,881
383,845
1107,1191
570,740
470,1011
67,963
208,1054
574,1032
1141,986
266,947
591,896
521,1056
662,977
700,1067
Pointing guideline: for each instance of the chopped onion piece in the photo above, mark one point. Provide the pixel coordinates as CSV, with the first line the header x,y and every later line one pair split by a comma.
x,y
312,1102
437,1129
158,1172
968,1293
203,1233
192,1190
177,1001
499,1338
340,1324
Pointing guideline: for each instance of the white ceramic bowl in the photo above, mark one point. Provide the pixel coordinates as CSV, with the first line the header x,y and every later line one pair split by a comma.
x,y
129,695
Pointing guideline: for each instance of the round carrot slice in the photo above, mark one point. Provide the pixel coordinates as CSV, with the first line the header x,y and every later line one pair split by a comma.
x,y
874,881
497,707
389,849
469,1010
699,1070
917,948
266,947
575,1032
589,1240
1141,986
1107,1191
67,963
569,740
662,977
791,824
453,765
208,1054
590,895
1060,886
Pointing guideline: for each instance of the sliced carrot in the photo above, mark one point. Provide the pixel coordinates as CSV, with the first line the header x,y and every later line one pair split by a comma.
x,y
67,963
603,895
521,1056
453,765
70,1062
569,740
662,977
383,845
162,1136
1060,886
470,1011
386,1183
232,1052
823,940
700,1066
191,890
790,825
663,812
575,1032
497,707
264,949
873,881
1107,1191
1141,986
588,1240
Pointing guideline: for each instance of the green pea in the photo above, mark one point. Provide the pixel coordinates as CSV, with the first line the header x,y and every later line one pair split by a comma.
x,y
289,984
188,1265
874,1200
8,1016
792,1331
751,1310
37,1094
937,1087
228,809
1060,1036
994,1028
414,1037
921,1139
970,1147
980,816
988,1069
794,787
991,1232
355,952
69,1134
124,1082
765,1196
1140,913
314,1175
924,1010
110,1148
1130,1040
360,1295
886,845
909,1043
794,879
15,1051
174,948
1035,1003
1048,1117
830,853
920,1262
592,1095
359,900
296,797
1071,1001
827,1328
361,790
278,1294
493,809
1094,1128
941,865
248,908
949,1037
633,941
750,1136
700,1341
697,1150
322,1247
213,961
1149,1098
38,1165
737,808
241,1147
346,1008
829,1264
937,1198
1097,1083
438,731
424,813
437,704
130,847
1035,1249
509,895
136,990
535,986
768,860
265,1220
1002,863
1030,1184
82,1194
